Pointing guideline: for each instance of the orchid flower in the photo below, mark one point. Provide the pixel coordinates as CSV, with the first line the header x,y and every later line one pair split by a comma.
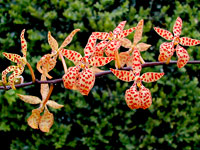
x,y
114,38
45,121
168,48
137,99
19,68
134,47
82,76
48,61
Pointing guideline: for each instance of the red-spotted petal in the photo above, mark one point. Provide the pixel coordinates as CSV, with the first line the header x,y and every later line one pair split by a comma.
x,y
123,75
99,49
166,51
119,28
145,97
136,64
90,47
183,56
54,105
164,33
29,99
143,46
125,33
125,42
52,42
70,78
177,27
34,119
185,41
46,121
138,32
6,71
69,38
44,90
151,76
99,61
72,55
86,81
16,73
112,47
23,43
12,57
132,97
101,35
123,56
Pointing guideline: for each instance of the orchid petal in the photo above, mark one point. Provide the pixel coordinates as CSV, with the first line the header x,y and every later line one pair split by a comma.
x,y
151,76
30,99
44,90
143,46
177,27
185,41
99,49
74,56
69,38
164,33
123,75
54,105
145,97
125,42
86,81
123,56
119,28
34,119
125,33
90,47
6,71
136,65
12,57
166,51
138,32
183,56
23,43
46,121
132,97
101,35
70,77
100,61
11,78
52,42
112,47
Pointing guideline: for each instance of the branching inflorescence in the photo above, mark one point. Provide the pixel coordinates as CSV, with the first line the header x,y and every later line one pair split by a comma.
x,y
81,77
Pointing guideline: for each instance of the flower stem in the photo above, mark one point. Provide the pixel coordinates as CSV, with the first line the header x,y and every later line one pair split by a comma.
x,y
48,96
168,60
142,60
117,59
63,62
32,73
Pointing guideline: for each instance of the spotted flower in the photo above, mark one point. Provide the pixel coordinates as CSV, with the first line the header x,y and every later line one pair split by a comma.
x,y
19,68
137,99
36,121
48,61
168,48
82,77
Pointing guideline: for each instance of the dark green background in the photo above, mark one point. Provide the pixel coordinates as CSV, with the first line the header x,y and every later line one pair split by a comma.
x,y
102,120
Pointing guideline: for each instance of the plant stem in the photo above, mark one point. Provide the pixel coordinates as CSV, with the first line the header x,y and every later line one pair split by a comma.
x,y
48,96
117,59
32,73
63,62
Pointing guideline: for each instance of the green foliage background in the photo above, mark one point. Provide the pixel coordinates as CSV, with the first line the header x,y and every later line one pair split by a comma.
x,y
102,120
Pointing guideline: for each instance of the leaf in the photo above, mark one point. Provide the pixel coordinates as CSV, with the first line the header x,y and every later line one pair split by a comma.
x,y
143,46
86,81
46,121
132,97
123,75
54,105
119,28
13,57
145,97
177,27
33,120
52,42
30,99
69,38
99,61
183,56
164,33
185,41
74,56
138,32
151,76
23,43
44,88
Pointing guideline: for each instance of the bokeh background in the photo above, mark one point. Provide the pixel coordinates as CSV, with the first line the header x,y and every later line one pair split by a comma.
x,y
102,119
